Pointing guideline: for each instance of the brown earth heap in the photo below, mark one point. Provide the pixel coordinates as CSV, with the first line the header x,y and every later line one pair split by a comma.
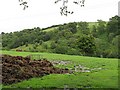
x,y
18,68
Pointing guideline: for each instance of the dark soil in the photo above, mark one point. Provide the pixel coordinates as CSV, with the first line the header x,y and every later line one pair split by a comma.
x,y
18,68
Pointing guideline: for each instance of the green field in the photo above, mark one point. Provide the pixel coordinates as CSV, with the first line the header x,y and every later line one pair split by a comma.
x,y
105,77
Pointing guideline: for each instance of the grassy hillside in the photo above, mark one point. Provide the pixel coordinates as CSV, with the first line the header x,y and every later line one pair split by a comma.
x,y
75,46
98,39
103,72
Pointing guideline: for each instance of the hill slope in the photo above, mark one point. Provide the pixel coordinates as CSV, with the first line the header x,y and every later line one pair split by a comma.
x,y
77,38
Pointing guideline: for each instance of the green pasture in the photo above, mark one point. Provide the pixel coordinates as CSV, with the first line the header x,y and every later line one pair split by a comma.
x,y
50,29
107,77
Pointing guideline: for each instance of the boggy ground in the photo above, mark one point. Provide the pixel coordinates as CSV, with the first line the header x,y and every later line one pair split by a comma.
x,y
18,68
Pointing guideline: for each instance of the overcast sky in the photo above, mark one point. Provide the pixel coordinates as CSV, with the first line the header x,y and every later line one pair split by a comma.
x,y
44,13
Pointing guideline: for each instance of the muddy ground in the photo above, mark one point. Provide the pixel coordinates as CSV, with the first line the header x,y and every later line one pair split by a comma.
x,y
17,68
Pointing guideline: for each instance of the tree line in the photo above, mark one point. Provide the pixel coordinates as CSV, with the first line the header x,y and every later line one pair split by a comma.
x,y
99,39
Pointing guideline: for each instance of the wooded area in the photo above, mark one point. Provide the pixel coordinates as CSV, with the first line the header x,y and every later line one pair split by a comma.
x,y
99,39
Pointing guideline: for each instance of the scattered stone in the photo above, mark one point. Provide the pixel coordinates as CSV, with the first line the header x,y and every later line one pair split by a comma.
x,y
60,62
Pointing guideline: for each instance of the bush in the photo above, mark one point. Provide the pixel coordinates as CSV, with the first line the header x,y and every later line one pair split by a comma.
x,y
86,45
73,51
61,49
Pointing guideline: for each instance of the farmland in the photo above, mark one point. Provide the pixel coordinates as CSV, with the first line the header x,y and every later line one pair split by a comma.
x,y
78,55
103,72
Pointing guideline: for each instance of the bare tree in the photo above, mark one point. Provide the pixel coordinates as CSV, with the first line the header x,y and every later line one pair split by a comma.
x,y
63,9
24,4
